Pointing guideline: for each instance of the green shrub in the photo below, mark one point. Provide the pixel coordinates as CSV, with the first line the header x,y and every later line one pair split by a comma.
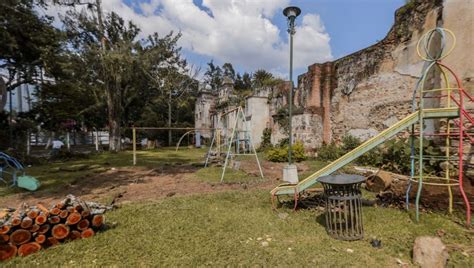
x,y
393,155
284,142
277,154
349,143
329,152
298,153
266,140
280,154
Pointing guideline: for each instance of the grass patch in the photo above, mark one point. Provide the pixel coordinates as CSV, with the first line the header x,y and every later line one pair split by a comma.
x,y
224,229
314,165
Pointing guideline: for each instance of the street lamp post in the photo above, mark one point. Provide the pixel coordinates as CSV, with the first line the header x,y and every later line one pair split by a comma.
x,y
290,172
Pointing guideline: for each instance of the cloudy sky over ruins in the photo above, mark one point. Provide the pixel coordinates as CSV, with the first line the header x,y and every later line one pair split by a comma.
x,y
251,34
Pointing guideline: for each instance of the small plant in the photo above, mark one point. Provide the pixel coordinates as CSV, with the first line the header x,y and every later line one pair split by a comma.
x,y
266,140
298,153
329,152
281,117
284,142
277,154
280,154
349,143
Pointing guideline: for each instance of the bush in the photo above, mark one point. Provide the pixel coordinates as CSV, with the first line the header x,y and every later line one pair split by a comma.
x,y
329,152
280,154
298,154
266,140
349,143
284,142
277,154
394,155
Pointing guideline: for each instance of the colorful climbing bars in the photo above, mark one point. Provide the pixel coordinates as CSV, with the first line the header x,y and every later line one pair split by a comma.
x,y
448,97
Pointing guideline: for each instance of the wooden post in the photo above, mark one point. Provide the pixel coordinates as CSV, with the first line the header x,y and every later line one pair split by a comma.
x,y
134,145
28,143
68,141
96,140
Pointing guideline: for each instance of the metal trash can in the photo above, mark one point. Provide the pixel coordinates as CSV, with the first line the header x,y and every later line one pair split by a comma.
x,y
343,206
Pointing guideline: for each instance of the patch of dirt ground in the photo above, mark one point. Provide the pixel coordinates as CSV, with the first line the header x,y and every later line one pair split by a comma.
x,y
138,184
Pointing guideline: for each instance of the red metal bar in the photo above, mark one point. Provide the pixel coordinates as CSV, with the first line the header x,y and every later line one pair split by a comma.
x,y
464,131
461,114
468,96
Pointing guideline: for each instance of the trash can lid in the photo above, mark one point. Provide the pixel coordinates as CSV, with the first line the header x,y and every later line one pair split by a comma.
x,y
341,179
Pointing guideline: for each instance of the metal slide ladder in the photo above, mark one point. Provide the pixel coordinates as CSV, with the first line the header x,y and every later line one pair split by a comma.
x,y
383,136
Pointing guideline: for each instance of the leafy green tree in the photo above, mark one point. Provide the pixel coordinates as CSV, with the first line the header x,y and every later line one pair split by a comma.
x,y
262,78
243,82
213,76
28,48
126,74
228,71
28,41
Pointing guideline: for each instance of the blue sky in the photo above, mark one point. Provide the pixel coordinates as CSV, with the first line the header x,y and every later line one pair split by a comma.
x,y
251,34
351,24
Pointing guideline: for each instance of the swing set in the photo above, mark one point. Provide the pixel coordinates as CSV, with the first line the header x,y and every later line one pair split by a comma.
x,y
234,141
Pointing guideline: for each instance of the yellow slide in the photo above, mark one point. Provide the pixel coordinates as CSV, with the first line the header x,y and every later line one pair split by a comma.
x,y
363,148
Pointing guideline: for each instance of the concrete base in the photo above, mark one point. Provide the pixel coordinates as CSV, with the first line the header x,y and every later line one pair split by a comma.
x,y
290,174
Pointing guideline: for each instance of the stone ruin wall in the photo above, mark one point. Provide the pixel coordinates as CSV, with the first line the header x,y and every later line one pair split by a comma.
x,y
365,92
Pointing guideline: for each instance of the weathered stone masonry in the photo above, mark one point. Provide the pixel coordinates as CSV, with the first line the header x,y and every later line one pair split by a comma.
x,y
371,89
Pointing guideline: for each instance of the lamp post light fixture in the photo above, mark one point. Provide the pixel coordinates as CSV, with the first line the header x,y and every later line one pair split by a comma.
x,y
290,172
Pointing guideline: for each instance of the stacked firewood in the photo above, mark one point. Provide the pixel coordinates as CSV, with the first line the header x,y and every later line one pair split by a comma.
x,y
29,229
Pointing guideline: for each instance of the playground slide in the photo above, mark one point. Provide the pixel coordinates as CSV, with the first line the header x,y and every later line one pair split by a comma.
x,y
363,148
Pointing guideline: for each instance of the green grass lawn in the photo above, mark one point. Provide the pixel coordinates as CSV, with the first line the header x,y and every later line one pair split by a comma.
x,y
229,228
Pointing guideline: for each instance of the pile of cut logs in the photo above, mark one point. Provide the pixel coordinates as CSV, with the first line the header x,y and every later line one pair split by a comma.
x,y
29,229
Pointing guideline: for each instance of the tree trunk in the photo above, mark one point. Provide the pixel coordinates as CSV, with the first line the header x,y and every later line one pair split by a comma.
x,y
60,231
114,122
75,235
379,182
98,220
20,236
170,138
3,94
87,233
7,251
73,218
83,225
44,228
26,223
40,239
41,219
29,248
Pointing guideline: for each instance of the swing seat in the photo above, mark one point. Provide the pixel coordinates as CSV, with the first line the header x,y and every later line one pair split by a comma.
x,y
29,183
12,167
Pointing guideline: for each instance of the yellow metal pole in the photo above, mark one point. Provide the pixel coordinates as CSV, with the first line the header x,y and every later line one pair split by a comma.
x,y
448,142
134,134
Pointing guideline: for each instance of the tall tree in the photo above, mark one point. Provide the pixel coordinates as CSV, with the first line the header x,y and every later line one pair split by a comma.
x,y
171,77
28,40
124,72
228,71
243,82
213,76
262,78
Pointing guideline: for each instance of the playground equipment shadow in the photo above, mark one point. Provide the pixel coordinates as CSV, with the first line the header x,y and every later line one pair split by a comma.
x,y
239,228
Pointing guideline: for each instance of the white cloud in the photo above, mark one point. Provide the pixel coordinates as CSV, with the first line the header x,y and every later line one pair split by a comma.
x,y
236,31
